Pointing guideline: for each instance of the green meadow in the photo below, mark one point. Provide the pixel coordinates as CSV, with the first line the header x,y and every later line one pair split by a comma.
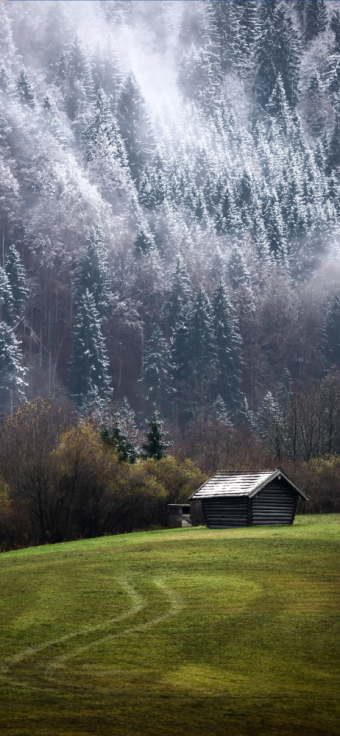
x,y
184,632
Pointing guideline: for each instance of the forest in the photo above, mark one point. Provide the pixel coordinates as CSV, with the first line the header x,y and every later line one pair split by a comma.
x,y
169,226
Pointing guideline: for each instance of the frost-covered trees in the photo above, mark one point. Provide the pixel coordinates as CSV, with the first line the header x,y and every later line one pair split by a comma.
x,y
228,348
92,272
89,371
12,384
331,333
17,280
135,126
156,376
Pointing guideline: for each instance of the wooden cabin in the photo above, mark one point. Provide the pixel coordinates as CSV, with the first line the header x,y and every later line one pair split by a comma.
x,y
248,499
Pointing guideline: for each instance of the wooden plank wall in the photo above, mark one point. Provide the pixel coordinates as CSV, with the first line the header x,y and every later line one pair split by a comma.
x,y
275,504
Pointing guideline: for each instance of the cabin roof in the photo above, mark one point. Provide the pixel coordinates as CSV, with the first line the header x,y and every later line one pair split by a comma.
x,y
243,483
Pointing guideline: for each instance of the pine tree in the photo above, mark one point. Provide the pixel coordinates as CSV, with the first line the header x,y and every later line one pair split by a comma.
x,y
25,90
331,333
89,377
17,280
202,348
6,298
277,52
316,18
114,437
333,158
103,129
228,348
135,127
284,395
12,373
180,354
156,376
278,108
179,296
226,20
92,273
245,417
270,426
155,447
237,269
79,87
144,240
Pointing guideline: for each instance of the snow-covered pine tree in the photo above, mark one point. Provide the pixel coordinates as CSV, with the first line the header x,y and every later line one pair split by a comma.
x,y
331,333
270,425
179,296
135,126
202,349
245,418
25,90
12,384
228,349
316,19
237,269
277,52
155,446
156,376
144,240
92,272
6,298
284,394
103,129
89,370
17,280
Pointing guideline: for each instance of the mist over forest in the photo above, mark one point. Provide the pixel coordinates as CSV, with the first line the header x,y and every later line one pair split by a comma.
x,y
170,216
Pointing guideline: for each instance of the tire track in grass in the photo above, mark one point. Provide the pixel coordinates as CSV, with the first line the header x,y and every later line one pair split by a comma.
x,y
176,604
138,603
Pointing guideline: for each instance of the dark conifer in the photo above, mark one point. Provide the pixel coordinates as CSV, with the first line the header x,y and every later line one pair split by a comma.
x,y
135,127
277,52
180,295
228,348
6,298
92,272
331,333
316,18
156,376
155,446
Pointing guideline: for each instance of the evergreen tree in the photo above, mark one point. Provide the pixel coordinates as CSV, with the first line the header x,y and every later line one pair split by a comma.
x,y
79,87
237,269
331,333
228,348
92,272
17,280
103,129
157,371
245,417
179,296
12,373
89,377
277,52
135,127
144,240
6,298
155,447
180,354
114,437
285,392
316,18
278,108
270,426
333,158
25,90
202,348
226,20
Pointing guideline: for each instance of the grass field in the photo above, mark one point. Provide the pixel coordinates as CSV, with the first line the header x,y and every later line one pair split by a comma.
x,y
183,632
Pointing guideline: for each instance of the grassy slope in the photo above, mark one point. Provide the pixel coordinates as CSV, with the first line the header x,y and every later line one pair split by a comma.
x,y
177,632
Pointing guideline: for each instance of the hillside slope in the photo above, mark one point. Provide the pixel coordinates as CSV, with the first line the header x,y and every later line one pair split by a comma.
x,y
182,631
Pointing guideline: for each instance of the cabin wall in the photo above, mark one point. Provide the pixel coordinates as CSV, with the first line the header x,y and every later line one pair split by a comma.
x,y
224,513
275,504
